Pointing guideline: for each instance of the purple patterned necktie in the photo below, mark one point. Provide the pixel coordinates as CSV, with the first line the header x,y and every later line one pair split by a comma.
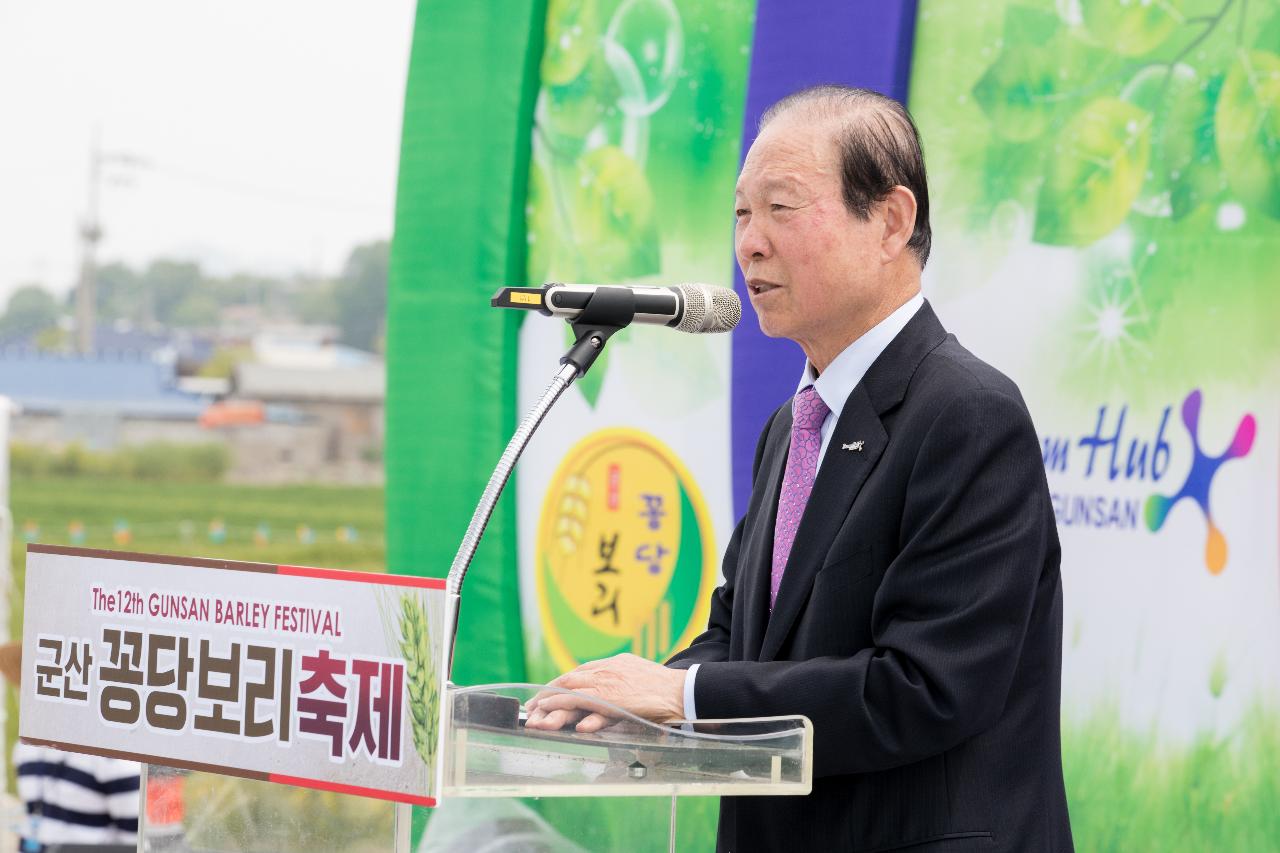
x,y
807,414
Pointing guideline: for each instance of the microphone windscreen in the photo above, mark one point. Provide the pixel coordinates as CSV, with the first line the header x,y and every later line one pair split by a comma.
x,y
708,309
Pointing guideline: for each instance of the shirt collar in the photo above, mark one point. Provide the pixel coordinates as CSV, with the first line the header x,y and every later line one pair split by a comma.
x,y
844,373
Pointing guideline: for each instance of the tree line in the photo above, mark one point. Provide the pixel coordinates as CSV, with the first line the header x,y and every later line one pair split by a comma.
x,y
169,294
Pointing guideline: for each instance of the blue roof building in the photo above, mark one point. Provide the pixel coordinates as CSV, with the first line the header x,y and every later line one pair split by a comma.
x,y
120,386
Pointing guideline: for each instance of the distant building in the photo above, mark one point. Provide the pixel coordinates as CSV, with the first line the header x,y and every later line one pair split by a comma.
x,y
184,348
283,345
100,402
318,423
306,410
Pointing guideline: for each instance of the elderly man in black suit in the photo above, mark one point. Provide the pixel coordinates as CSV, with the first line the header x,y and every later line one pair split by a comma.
x,y
896,576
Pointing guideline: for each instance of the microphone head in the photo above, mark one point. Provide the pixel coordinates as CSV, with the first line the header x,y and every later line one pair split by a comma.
x,y
708,309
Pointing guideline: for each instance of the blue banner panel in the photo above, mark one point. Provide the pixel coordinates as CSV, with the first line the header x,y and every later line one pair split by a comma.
x,y
865,43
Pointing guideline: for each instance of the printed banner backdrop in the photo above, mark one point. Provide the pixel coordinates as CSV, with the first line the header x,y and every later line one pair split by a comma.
x,y
1105,191
623,496
624,500
1105,180
324,679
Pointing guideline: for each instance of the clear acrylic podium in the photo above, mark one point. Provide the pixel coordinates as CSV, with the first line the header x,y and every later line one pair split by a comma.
x,y
488,754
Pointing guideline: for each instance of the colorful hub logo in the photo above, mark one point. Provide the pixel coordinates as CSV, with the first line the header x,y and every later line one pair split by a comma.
x,y
626,557
1200,478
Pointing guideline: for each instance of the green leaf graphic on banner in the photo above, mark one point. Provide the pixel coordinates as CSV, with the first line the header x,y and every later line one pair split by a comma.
x,y
573,29
1183,168
613,220
1131,27
1248,129
567,114
1016,92
644,45
1096,170
1202,178
540,225
1040,70
1269,33
1025,25
584,642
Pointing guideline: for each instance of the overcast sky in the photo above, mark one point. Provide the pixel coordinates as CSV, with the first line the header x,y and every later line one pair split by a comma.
x,y
270,130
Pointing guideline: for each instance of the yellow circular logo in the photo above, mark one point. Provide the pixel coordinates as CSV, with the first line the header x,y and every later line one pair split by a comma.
x,y
626,556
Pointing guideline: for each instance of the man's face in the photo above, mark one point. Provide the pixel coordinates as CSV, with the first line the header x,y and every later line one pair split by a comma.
x,y
810,265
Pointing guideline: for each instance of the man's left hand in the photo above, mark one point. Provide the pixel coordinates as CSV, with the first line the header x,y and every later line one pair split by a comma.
x,y
646,689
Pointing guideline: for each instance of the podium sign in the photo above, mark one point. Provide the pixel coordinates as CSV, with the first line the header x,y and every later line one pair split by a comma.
x,y
312,677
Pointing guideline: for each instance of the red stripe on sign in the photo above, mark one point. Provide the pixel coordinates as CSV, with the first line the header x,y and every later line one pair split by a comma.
x,y
614,486
362,577
377,793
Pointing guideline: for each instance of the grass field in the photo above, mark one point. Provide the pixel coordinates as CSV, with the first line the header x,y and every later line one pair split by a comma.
x,y
156,513
175,518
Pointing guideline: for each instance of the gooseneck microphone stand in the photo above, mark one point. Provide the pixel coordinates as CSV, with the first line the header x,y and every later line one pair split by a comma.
x,y
609,309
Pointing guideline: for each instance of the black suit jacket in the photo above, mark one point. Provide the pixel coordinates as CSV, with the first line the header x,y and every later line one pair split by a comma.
x,y
918,623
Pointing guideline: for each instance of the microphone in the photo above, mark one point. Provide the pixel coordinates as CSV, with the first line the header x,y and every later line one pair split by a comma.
x,y
695,308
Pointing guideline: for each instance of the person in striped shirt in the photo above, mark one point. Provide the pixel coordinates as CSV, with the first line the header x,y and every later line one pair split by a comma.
x,y
75,799
71,798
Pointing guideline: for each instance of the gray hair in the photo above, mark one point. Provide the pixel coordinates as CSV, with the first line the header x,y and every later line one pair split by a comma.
x,y
879,149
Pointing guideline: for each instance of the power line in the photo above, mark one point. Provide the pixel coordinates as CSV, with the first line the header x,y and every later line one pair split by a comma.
x,y
259,190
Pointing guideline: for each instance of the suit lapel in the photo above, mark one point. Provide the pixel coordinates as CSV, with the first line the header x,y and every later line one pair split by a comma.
x,y
840,478
757,552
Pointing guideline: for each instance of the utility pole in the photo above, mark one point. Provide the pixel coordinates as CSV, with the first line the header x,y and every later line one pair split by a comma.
x,y
90,234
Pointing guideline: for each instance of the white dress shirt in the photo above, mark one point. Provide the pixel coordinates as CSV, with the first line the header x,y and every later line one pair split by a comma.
x,y
834,387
